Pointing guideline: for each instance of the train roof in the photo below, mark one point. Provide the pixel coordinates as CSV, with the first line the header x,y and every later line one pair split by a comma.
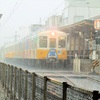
x,y
56,31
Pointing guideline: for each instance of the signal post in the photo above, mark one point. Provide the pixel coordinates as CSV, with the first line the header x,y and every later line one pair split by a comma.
x,y
95,60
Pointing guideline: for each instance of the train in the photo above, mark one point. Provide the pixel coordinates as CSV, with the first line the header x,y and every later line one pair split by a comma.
x,y
41,49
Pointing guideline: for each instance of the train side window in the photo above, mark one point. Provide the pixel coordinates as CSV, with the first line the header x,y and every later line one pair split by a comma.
x,y
43,41
52,42
61,42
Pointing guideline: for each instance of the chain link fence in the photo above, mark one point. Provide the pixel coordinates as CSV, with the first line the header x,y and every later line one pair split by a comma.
x,y
23,85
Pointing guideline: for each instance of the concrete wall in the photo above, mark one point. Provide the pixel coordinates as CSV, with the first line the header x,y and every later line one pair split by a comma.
x,y
82,65
86,65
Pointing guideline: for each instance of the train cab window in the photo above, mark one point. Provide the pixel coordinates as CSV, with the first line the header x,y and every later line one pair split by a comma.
x,y
61,42
43,41
52,42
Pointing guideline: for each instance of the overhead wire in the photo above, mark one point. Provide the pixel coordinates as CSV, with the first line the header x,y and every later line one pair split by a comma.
x,y
12,11
54,11
56,8
17,4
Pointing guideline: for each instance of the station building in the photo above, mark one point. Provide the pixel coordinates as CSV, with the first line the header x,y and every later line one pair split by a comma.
x,y
78,10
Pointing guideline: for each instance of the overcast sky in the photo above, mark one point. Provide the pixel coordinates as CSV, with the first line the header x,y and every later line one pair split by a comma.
x,y
22,13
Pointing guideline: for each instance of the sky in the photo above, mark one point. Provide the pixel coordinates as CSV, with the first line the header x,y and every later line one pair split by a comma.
x,y
23,13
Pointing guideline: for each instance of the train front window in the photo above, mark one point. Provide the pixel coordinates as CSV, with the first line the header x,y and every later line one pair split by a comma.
x,y
43,41
52,42
62,42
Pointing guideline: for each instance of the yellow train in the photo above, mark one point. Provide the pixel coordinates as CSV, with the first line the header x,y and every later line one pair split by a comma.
x,y
39,49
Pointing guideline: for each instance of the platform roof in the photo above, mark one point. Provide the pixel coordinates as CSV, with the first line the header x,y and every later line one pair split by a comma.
x,y
79,26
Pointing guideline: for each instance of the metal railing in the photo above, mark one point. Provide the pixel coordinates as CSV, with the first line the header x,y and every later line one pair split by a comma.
x,y
23,85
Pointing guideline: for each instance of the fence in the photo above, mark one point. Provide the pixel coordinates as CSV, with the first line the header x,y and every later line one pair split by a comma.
x,y
23,85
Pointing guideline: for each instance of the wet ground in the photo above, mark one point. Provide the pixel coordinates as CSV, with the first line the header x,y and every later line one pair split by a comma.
x,y
80,80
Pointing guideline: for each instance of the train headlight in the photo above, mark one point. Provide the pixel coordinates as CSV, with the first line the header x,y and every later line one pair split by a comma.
x,y
52,33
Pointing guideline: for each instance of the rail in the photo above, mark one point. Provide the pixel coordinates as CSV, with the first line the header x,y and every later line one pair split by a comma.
x,y
23,85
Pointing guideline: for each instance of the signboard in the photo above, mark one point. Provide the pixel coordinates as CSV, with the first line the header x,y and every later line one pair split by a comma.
x,y
95,63
97,24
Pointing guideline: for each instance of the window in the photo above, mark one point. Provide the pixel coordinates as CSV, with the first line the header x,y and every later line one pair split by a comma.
x,y
62,42
43,41
52,42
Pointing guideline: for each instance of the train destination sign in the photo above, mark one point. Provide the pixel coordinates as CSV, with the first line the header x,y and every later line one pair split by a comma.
x,y
97,24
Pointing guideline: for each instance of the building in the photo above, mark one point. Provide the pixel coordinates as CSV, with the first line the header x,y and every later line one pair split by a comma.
x,y
53,21
78,10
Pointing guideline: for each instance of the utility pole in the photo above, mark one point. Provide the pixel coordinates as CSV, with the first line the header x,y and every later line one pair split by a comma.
x,y
40,20
0,16
91,40
88,9
16,36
